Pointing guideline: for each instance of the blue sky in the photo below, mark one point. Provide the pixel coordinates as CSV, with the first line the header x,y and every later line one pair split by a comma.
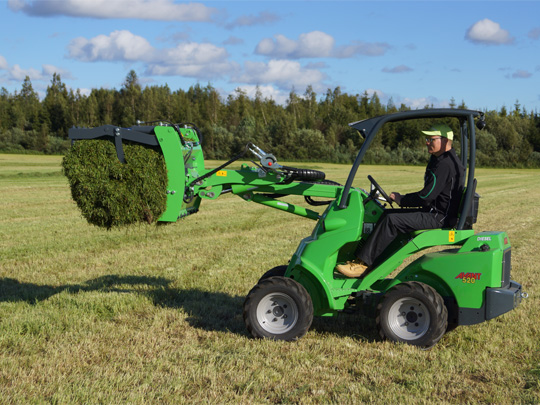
x,y
485,53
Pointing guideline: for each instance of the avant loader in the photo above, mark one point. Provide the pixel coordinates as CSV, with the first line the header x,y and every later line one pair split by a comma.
x,y
465,281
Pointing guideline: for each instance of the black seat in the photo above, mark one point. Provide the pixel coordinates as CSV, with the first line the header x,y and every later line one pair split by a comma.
x,y
470,212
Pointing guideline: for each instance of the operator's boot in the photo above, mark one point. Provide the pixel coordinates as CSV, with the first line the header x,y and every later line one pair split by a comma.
x,y
353,269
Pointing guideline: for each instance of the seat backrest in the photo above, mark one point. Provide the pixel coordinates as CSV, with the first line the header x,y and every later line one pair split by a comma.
x,y
471,212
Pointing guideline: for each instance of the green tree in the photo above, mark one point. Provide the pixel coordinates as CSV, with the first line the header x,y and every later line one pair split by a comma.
x,y
56,107
30,104
5,97
128,106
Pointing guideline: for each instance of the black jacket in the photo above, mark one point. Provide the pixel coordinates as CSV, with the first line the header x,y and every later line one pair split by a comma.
x,y
443,188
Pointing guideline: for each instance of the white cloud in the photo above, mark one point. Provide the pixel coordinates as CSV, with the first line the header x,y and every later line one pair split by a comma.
x,y
315,44
199,60
159,10
199,71
398,69
3,63
16,73
119,45
488,32
194,53
193,60
283,73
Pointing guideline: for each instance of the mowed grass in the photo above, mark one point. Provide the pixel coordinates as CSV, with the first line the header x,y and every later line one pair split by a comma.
x,y
154,314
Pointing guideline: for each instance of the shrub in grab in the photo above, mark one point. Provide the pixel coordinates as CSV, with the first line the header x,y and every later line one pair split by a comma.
x,y
110,193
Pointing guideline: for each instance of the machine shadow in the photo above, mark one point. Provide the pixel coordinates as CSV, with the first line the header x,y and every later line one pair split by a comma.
x,y
213,311
206,310
355,326
12,290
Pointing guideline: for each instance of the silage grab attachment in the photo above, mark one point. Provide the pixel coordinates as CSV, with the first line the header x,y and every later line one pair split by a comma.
x,y
189,181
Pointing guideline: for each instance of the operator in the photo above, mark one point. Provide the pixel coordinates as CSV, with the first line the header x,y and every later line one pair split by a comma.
x,y
437,204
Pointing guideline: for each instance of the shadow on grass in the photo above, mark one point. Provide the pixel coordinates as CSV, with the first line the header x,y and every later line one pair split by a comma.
x,y
12,290
356,326
207,310
213,311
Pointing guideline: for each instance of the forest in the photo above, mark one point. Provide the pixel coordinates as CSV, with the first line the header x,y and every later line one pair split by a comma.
x,y
308,127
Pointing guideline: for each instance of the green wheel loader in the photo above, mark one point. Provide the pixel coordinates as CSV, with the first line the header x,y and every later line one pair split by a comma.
x,y
465,281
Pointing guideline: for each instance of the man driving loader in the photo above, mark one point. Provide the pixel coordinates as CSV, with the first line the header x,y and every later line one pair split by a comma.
x,y
437,204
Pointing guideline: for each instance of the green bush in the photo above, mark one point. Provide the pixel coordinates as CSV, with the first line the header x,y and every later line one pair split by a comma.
x,y
110,193
56,145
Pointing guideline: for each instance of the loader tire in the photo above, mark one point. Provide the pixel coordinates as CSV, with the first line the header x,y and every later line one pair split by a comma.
x,y
412,313
278,308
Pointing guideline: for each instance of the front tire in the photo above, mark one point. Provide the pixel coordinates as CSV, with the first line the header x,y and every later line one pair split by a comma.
x,y
278,308
412,313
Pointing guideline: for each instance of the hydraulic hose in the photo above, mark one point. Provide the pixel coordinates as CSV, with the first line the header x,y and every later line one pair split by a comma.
x,y
304,174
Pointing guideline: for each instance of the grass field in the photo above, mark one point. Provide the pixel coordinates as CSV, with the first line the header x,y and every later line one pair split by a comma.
x,y
154,314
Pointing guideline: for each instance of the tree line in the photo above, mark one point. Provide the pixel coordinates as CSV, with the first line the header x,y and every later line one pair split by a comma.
x,y
308,127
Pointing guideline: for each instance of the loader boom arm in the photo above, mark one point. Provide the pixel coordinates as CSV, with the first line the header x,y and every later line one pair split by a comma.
x,y
189,182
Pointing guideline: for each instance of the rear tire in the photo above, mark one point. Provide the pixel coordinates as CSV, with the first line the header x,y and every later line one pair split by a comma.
x,y
278,308
412,313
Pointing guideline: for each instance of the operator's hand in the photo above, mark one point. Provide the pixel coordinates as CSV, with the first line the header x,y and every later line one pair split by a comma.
x,y
396,197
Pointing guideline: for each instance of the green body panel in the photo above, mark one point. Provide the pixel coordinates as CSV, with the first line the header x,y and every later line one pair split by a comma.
x,y
172,152
179,172
334,236
463,274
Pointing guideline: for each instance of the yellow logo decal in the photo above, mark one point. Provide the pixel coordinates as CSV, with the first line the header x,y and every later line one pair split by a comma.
x,y
451,236
222,173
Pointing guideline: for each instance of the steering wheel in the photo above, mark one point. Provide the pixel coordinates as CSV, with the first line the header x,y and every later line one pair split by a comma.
x,y
378,188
